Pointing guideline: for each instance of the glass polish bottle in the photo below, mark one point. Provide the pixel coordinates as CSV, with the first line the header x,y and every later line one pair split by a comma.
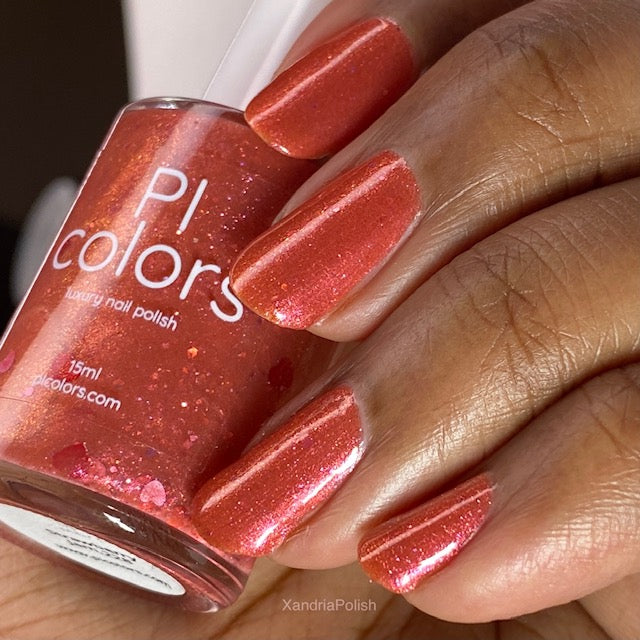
x,y
131,373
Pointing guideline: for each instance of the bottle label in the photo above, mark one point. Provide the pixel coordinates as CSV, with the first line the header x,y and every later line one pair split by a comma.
x,y
89,551
131,368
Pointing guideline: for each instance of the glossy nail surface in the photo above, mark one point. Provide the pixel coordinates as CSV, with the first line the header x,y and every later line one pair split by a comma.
x,y
403,552
252,506
299,270
336,91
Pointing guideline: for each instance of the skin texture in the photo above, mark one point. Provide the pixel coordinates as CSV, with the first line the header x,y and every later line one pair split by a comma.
x,y
503,339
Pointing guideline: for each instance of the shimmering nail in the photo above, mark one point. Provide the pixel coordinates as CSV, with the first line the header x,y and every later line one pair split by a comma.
x,y
298,272
254,505
336,91
403,552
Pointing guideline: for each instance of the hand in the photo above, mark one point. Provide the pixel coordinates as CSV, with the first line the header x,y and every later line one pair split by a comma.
x,y
501,317
502,338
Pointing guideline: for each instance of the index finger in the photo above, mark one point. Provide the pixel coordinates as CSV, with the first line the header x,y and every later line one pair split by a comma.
x,y
506,123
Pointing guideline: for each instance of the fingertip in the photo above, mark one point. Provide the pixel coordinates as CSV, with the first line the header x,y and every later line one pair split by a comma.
x,y
255,504
334,92
402,553
305,266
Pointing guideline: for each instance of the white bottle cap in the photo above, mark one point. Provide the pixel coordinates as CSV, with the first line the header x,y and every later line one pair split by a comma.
x,y
267,32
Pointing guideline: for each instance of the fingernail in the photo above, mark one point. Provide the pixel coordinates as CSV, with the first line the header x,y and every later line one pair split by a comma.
x,y
336,91
254,505
403,552
300,269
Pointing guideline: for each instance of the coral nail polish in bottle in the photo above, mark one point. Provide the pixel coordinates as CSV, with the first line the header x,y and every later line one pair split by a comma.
x,y
131,373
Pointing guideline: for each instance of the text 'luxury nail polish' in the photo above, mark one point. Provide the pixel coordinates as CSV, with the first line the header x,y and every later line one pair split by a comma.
x,y
403,552
333,93
299,270
251,507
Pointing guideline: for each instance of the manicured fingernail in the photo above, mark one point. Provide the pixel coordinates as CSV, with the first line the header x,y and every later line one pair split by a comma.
x,y
403,552
299,270
336,91
253,505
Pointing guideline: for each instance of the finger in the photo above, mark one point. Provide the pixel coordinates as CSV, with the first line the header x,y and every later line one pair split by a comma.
x,y
615,608
535,106
353,62
553,517
490,341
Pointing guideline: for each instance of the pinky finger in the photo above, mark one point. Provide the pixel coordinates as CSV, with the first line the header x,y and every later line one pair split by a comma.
x,y
552,517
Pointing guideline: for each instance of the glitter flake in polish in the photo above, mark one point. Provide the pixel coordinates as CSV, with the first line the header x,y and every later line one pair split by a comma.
x,y
298,272
403,552
336,91
251,507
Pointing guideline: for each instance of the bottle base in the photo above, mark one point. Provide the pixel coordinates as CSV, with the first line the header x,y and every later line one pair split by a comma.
x,y
70,525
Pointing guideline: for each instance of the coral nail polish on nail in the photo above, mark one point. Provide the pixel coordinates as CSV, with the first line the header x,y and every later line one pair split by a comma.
x,y
251,507
336,91
403,552
300,269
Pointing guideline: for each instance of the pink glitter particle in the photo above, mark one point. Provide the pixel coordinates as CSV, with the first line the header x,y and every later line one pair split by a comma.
x,y
97,468
7,362
61,367
71,460
189,441
154,492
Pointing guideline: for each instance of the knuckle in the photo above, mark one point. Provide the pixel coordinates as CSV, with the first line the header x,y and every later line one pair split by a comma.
x,y
608,516
546,61
500,287
541,292
613,404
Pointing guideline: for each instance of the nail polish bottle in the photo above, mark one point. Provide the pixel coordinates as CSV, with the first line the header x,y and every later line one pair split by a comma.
x,y
131,373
